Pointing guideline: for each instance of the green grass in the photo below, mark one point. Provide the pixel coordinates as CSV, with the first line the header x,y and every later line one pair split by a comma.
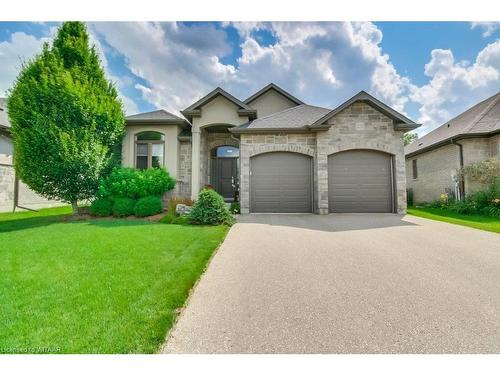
x,y
95,286
487,223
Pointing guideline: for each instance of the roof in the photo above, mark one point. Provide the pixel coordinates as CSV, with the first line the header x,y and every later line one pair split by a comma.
x,y
402,122
195,108
276,88
294,118
481,119
4,118
159,116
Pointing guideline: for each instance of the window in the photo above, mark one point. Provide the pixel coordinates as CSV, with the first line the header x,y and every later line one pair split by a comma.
x,y
225,152
149,150
415,169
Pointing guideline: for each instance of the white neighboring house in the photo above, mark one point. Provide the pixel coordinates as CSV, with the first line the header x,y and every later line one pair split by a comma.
x,y
26,197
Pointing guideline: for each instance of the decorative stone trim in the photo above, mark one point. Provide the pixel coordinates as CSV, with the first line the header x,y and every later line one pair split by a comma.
x,y
366,145
264,148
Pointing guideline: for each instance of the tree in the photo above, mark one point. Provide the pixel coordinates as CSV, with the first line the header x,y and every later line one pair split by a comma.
x,y
409,138
66,118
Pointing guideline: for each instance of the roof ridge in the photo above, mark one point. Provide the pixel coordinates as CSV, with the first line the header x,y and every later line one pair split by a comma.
x,y
282,111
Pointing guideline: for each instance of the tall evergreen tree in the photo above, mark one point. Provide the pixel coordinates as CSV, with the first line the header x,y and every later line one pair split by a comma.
x,y
66,118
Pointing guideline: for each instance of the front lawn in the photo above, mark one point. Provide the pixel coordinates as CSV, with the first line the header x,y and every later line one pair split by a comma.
x,y
95,286
488,223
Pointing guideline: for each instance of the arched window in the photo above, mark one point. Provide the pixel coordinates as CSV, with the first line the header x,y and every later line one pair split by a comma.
x,y
225,152
149,150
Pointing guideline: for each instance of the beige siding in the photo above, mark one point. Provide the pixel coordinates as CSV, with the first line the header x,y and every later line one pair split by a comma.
x,y
271,102
171,145
219,111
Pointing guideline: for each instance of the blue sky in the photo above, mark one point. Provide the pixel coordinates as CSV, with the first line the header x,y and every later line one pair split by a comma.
x,y
431,71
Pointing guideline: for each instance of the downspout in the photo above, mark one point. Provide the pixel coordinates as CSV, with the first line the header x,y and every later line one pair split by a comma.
x,y
461,162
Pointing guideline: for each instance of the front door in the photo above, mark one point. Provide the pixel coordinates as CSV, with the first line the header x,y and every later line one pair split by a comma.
x,y
226,177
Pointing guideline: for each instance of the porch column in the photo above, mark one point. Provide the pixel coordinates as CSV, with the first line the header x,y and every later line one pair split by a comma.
x,y
195,162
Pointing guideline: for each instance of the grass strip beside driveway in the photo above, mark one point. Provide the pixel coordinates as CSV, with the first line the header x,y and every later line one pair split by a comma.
x,y
482,222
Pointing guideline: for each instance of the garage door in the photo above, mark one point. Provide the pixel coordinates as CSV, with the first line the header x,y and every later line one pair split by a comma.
x,y
280,182
360,181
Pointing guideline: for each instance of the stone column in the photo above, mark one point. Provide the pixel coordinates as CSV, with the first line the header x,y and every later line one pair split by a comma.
x,y
321,169
195,162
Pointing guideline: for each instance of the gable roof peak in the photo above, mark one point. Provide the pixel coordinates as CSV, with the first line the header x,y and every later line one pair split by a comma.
x,y
275,87
400,121
195,108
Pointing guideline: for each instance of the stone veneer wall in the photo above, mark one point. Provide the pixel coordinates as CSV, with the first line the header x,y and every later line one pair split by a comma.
x,y
208,142
183,188
253,144
359,126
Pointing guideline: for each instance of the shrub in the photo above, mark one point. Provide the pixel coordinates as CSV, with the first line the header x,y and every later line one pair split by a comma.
x,y
101,207
409,197
235,208
210,209
134,183
148,206
123,207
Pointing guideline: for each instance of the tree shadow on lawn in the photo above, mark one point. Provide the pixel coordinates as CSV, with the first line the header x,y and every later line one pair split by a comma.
x,y
43,221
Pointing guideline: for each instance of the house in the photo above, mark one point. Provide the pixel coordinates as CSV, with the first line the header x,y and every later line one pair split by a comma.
x,y
433,160
274,153
14,193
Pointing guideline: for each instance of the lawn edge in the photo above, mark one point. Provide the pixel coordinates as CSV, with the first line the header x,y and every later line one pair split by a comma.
x,y
446,219
190,294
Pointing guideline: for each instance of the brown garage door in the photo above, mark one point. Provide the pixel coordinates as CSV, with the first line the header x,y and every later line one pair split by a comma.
x,y
360,181
280,182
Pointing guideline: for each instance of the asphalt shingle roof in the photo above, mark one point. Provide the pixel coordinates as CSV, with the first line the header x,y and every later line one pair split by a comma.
x,y
158,115
482,118
4,118
292,118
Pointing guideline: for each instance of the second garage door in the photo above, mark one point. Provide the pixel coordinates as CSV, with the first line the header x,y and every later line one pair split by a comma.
x,y
281,182
360,181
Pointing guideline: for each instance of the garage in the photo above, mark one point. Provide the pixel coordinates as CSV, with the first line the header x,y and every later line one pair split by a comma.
x,y
281,182
360,181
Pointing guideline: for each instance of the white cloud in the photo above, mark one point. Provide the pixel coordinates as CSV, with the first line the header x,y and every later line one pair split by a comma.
x,y
455,86
13,52
488,27
178,63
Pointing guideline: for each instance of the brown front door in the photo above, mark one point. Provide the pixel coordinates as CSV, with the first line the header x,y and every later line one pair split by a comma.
x,y
226,177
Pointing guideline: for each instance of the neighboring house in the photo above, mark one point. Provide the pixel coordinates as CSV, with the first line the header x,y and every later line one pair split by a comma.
x,y
274,153
432,161
9,187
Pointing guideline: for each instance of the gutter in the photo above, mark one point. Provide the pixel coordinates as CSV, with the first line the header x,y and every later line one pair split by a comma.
x,y
461,161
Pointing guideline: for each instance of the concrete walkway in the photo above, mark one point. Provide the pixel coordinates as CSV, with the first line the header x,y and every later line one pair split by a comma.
x,y
346,283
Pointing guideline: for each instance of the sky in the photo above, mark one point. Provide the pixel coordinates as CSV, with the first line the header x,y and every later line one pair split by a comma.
x,y
429,71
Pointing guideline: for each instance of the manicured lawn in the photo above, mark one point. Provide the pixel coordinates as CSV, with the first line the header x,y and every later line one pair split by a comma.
x,y
488,223
96,286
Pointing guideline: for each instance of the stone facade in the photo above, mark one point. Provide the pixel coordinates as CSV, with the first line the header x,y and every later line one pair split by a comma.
x,y
437,169
358,126
183,188
209,141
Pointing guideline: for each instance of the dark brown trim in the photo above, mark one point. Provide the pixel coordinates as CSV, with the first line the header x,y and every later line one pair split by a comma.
x,y
450,140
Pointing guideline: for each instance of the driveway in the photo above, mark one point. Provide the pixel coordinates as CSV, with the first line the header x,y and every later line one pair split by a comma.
x,y
346,283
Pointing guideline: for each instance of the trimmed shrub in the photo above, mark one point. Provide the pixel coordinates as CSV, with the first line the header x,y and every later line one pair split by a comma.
x,y
101,207
134,183
148,206
123,207
210,209
235,208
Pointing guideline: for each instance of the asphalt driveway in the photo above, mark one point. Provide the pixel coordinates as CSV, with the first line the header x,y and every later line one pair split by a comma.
x,y
346,283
